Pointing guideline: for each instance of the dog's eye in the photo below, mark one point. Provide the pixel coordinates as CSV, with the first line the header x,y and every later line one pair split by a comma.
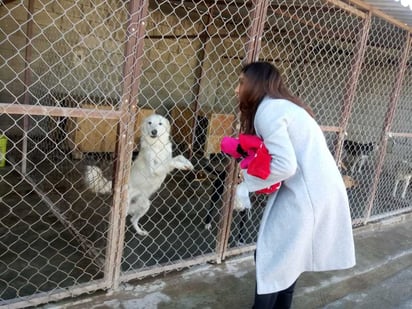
x,y
160,124
150,122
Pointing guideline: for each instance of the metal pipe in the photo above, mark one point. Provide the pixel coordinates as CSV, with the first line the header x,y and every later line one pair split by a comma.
x,y
27,82
352,85
138,11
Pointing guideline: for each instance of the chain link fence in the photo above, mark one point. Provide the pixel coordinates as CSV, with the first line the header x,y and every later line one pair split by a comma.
x,y
79,77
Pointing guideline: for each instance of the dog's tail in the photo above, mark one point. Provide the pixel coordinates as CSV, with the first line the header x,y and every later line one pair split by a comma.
x,y
95,180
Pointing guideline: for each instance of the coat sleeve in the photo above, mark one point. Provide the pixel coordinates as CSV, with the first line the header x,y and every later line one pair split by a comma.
x,y
272,126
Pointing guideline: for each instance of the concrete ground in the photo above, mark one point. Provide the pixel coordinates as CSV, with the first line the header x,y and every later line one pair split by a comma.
x,y
382,279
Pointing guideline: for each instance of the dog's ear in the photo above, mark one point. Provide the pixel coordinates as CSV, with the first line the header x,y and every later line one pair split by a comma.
x,y
167,116
168,124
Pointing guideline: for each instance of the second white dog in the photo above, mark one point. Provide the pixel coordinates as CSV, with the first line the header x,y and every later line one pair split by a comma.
x,y
149,170
403,174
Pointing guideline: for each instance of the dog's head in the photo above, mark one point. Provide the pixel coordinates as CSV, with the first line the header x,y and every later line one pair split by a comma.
x,y
357,149
349,181
155,126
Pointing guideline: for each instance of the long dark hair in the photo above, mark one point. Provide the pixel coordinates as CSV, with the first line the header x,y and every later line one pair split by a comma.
x,y
262,79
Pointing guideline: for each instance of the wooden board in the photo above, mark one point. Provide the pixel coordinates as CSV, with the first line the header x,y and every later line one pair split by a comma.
x,y
218,125
99,135
182,126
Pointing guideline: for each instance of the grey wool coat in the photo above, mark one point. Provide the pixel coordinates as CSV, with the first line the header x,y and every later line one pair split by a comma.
x,y
306,224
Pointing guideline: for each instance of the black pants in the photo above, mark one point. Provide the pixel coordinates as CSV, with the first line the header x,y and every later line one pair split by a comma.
x,y
277,300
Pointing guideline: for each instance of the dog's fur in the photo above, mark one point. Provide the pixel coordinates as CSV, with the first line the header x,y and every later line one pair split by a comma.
x,y
403,174
96,181
358,153
149,170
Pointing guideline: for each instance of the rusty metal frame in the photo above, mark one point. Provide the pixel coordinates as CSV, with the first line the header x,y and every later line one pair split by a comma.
x,y
27,80
129,107
56,295
87,246
374,11
138,10
351,85
157,269
396,134
389,116
24,109
41,110
252,50
301,20
28,109
258,19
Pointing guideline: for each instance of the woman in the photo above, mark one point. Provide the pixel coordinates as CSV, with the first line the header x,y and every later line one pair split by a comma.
x,y
306,225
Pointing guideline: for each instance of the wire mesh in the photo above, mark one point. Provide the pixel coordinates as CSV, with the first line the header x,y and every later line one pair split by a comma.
x,y
54,230
191,55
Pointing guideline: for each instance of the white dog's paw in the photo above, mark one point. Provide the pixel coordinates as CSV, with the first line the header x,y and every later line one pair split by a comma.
x,y
181,163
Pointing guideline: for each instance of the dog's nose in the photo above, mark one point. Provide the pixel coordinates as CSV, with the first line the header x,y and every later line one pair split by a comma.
x,y
154,132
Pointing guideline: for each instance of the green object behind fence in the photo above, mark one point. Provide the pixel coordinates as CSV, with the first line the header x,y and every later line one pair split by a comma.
x,y
3,149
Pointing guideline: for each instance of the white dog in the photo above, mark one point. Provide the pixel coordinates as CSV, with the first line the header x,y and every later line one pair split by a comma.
x,y
150,168
403,174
